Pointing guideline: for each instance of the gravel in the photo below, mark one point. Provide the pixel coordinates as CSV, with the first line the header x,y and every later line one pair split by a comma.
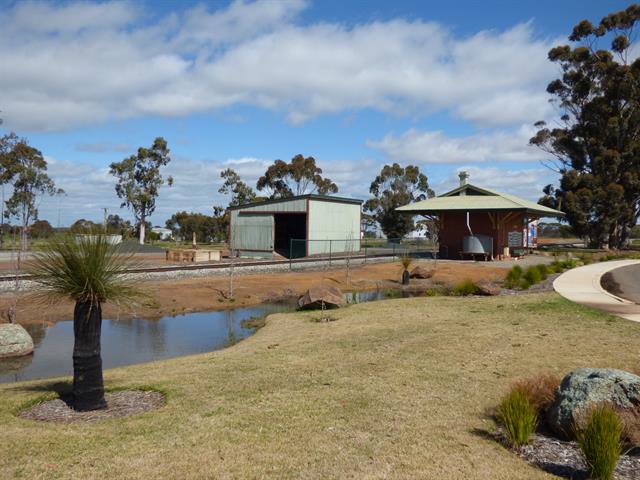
x,y
221,272
119,404
565,460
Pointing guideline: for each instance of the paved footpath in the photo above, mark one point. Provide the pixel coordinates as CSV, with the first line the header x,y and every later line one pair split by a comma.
x,y
582,285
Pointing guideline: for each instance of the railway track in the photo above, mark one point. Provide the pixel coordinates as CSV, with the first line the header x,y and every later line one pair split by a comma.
x,y
219,266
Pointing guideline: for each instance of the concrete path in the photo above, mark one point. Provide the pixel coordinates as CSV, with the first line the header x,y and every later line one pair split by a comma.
x,y
582,285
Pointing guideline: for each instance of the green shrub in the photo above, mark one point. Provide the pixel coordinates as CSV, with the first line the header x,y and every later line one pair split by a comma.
x,y
532,275
568,263
512,280
466,287
518,417
585,259
544,271
560,266
524,284
600,441
437,291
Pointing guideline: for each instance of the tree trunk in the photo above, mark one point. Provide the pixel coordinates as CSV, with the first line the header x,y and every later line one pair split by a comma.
x,y
142,228
23,239
88,386
405,277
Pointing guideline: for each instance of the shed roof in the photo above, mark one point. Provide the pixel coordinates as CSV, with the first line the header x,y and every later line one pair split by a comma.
x,y
470,197
311,196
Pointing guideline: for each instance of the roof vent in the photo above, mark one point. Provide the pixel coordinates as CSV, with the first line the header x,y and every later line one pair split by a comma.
x,y
464,176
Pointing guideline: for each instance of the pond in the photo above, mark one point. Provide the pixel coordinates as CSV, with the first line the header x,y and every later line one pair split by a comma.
x,y
126,342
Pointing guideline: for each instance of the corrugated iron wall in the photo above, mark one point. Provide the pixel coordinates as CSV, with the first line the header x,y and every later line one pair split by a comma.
x,y
333,221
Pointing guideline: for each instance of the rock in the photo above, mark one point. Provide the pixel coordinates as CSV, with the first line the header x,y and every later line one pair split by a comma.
x,y
421,272
586,387
317,294
15,341
488,288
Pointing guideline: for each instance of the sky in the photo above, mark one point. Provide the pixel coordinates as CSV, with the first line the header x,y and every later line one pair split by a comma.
x,y
447,86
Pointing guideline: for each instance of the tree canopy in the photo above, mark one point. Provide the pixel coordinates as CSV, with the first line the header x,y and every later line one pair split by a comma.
x,y
241,193
299,177
139,180
207,228
25,167
394,187
596,147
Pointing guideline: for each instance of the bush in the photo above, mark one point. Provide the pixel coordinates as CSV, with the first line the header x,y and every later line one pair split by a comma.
x,y
600,441
532,275
540,390
466,287
437,291
512,280
41,229
518,417
544,271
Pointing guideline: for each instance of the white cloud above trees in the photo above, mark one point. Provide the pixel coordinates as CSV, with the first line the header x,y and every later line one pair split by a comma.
x,y
81,63
432,147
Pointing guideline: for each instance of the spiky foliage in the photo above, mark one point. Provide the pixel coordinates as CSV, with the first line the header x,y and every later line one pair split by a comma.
x,y
406,261
84,269
600,442
518,417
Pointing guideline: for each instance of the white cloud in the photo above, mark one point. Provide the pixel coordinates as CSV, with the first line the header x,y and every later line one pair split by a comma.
x,y
429,147
46,18
104,147
81,63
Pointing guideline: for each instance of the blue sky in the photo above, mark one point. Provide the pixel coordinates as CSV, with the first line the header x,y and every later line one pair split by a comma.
x,y
444,85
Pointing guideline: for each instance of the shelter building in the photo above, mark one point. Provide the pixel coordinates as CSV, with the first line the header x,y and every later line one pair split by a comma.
x,y
476,221
295,227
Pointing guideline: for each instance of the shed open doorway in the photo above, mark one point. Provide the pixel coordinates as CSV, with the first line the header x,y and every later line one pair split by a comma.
x,y
290,226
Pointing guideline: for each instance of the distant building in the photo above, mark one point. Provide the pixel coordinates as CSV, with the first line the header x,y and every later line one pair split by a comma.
x,y
163,233
475,221
296,227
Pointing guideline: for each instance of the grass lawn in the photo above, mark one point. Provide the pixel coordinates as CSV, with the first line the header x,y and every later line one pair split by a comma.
x,y
393,389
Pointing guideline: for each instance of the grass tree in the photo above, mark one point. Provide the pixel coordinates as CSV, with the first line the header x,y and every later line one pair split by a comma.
x,y
89,271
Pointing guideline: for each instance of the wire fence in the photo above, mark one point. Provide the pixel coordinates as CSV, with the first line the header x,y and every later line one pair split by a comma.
x,y
341,251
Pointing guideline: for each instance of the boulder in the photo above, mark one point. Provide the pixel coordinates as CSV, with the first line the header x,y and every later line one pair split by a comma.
x,y
318,294
488,288
15,341
421,272
584,388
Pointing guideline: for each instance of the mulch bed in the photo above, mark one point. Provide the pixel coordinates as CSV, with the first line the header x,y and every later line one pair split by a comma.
x,y
565,460
119,404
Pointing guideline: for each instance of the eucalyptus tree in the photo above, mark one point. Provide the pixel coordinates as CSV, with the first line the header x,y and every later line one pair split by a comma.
x,y
596,147
26,170
139,180
394,187
298,177
89,270
241,193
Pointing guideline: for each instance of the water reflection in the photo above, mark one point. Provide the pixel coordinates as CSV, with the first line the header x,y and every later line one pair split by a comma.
x,y
131,341
125,342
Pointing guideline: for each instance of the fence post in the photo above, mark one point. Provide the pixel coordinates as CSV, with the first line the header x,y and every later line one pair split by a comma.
x,y
290,253
330,243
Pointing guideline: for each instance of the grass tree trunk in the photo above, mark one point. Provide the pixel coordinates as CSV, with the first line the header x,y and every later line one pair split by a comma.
x,y
88,386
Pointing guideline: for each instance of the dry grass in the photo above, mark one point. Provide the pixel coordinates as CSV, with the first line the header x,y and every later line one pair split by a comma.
x,y
540,389
392,389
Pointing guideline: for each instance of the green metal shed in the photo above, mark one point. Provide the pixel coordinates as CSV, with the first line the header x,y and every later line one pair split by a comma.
x,y
296,227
